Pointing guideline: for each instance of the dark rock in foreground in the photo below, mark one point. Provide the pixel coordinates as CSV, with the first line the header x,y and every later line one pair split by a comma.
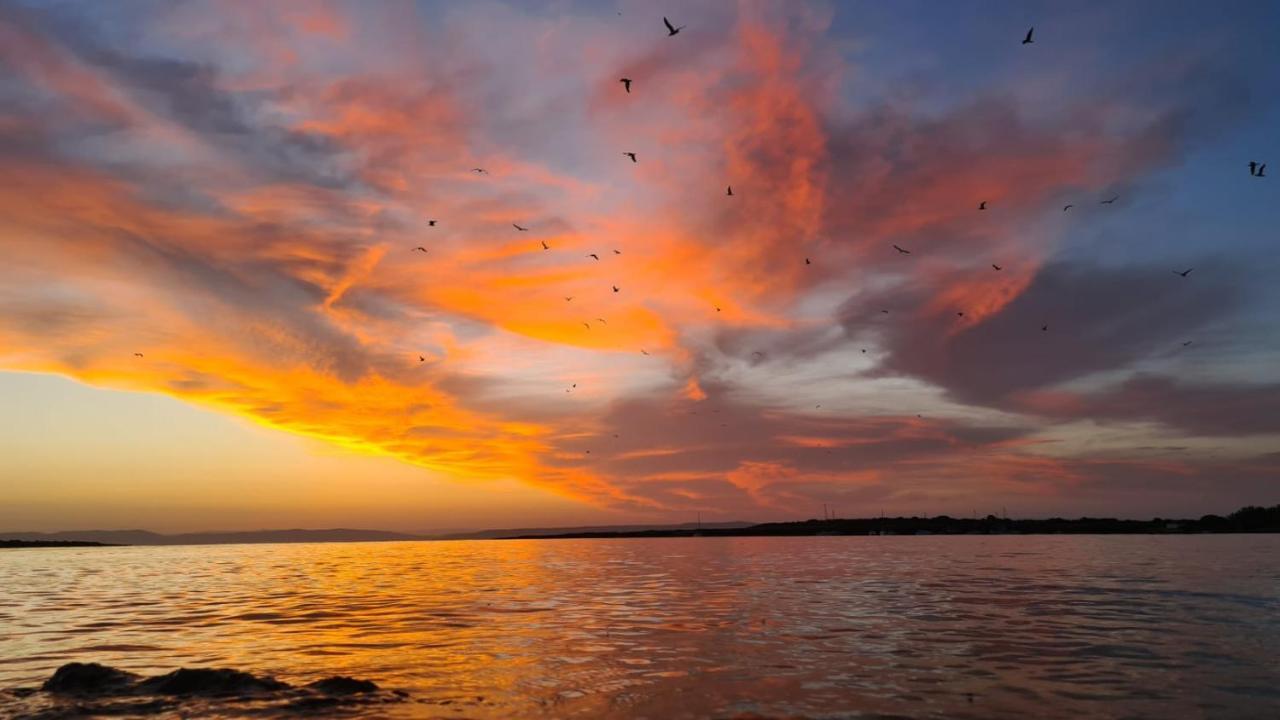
x,y
208,681
343,685
89,679
90,689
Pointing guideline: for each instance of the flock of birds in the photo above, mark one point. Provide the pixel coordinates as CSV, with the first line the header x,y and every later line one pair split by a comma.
x,y
1256,169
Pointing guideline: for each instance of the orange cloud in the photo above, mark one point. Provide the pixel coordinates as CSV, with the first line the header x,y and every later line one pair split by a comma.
x,y
266,266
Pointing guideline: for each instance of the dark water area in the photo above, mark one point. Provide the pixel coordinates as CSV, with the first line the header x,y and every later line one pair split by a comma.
x,y
820,627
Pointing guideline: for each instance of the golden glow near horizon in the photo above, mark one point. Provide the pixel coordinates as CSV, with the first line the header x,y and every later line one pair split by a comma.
x,y
224,210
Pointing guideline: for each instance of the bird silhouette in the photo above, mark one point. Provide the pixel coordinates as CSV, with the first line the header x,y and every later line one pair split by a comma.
x,y
137,355
995,266
545,246
1253,167
431,223
1027,40
631,155
480,171
568,298
671,30
1067,207
519,228
615,288
729,191
626,83
1186,343
1184,273
864,351
1044,328
757,352
959,314
617,252
418,249
904,251
886,312
593,255
588,325
717,307
643,351
421,359
1262,170
982,205
1111,201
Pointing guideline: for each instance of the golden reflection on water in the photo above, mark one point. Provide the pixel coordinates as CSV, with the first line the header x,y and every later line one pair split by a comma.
x,y
1063,626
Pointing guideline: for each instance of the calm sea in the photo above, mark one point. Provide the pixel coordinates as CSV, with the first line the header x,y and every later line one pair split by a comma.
x,y
918,627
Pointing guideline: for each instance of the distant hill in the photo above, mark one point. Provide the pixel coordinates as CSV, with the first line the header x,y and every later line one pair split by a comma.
x,y
589,529
49,543
146,537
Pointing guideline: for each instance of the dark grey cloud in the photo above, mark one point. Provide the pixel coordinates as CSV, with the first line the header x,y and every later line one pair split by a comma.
x,y
703,440
1099,319
188,93
1206,409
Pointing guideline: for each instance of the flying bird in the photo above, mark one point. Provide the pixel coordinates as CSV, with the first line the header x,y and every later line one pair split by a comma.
x,y
521,229
1253,167
1111,201
568,298
137,354
1262,170
643,351
864,351
982,205
996,267
886,312
418,249
717,307
729,191
480,171
806,261
593,255
904,251
421,359
615,288
626,83
1044,328
545,246
431,223
631,155
959,314
1027,40
1067,207
1184,273
757,352
588,325
1186,343
602,321
617,252
671,30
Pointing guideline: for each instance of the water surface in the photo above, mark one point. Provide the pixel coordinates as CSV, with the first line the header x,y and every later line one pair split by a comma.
x,y
922,627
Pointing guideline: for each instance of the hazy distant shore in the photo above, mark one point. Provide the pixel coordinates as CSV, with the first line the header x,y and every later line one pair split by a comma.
x,y
52,543
1246,520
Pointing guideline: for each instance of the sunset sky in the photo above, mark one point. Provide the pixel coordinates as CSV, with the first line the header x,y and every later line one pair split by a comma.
x,y
234,191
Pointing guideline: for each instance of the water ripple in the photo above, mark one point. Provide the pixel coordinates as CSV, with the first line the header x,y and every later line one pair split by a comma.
x,y
939,627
